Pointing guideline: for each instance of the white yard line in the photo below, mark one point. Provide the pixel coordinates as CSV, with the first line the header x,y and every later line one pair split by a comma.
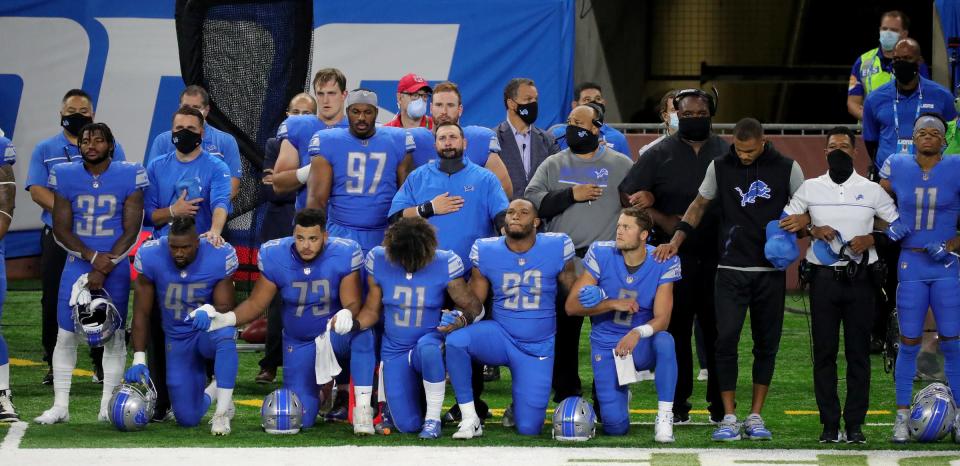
x,y
14,436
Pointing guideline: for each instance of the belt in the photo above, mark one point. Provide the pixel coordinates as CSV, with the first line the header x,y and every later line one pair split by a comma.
x,y
920,250
833,268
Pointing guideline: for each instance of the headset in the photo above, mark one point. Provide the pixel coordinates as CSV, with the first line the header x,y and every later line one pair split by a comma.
x,y
711,99
599,109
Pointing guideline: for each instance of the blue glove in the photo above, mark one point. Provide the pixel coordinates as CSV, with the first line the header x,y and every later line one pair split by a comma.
x,y
897,230
938,251
201,321
137,373
591,295
450,318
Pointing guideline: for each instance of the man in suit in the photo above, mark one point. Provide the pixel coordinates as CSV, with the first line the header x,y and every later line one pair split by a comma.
x,y
523,146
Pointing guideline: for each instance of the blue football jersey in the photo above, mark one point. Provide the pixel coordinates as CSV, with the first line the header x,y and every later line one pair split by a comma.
x,y
180,291
205,177
928,203
480,143
8,151
525,285
364,174
411,301
97,202
310,290
299,130
605,263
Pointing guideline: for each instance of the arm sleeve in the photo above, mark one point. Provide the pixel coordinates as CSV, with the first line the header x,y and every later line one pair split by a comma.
x,y
405,196
475,254
52,181
356,256
708,188
590,262
142,182
539,185
138,263
230,262
856,85
555,202
496,199
885,169
641,174
37,172
454,266
231,155
151,197
871,130
220,187
156,149
798,203
886,209
796,177
671,271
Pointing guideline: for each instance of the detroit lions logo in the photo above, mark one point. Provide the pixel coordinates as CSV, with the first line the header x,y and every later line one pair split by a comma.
x,y
756,190
602,173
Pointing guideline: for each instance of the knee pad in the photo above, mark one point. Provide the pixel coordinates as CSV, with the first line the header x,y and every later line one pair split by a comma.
x,y
663,343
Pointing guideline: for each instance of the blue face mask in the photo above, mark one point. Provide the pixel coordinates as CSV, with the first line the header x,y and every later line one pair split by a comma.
x,y
674,122
416,109
888,39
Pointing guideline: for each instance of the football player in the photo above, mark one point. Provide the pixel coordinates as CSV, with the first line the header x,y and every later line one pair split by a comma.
x,y
927,189
8,156
97,215
314,273
356,171
629,297
181,272
523,270
407,278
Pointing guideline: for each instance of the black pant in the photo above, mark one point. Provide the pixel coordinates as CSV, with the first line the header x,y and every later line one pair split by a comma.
x,y
157,362
850,302
566,355
693,298
52,260
885,298
273,350
763,293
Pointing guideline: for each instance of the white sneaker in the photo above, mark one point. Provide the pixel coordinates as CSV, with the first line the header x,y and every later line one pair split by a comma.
x,y
231,411
663,428
703,375
103,416
469,428
54,415
900,432
220,425
363,420
646,375
7,412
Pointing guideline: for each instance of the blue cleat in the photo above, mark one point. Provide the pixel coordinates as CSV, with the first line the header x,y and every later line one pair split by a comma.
x,y
754,428
727,431
430,429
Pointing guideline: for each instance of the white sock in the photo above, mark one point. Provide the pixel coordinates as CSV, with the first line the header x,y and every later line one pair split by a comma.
x,y
664,407
434,392
729,418
756,415
224,400
114,358
362,395
468,411
211,391
64,361
5,377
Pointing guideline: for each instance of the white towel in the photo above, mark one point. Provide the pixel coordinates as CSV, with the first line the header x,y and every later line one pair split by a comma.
x,y
626,372
326,365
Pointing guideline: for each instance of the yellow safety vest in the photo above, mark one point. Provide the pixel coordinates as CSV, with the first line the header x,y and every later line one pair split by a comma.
x,y
872,74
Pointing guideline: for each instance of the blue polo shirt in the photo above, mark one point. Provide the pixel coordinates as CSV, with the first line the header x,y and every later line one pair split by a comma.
x,y
483,199
611,136
880,125
217,143
204,177
54,151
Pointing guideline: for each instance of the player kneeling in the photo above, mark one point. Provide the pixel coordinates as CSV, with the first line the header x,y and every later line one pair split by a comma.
x,y
631,322
181,272
313,273
407,278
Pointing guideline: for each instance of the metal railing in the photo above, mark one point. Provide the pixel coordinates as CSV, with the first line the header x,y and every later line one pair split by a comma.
x,y
727,128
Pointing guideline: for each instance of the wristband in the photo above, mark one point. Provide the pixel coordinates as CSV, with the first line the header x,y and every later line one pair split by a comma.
x,y
303,174
685,227
94,258
644,330
139,357
425,210
170,208
8,215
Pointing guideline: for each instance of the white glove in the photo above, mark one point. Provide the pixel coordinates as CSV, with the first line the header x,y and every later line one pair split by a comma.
x,y
217,320
343,322
80,294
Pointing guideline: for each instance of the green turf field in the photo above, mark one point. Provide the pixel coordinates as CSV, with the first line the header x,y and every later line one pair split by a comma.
x,y
792,390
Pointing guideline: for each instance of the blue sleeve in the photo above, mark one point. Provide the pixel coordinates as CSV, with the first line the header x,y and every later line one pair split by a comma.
x,y
924,70
313,149
266,262
138,260
855,87
475,253
9,151
670,271
151,196
118,153
454,266
619,142
356,256
368,263
871,130
559,133
568,250
231,154
52,183
424,150
156,150
496,198
141,180
37,172
220,186
591,263
405,195
282,131
230,262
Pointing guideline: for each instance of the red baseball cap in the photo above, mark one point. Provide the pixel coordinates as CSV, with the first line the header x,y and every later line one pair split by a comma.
x,y
411,83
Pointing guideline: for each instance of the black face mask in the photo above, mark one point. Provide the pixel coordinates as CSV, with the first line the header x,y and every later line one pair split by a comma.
x,y
450,161
694,128
74,122
841,165
905,71
581,141
527,112
186,141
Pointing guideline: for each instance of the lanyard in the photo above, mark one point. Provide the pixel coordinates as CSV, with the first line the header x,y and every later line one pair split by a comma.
x,y
896,116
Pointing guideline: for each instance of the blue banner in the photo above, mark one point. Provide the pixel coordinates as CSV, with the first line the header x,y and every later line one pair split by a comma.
x,y
125,55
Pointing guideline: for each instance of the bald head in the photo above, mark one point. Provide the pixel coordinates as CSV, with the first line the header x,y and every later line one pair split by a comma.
x,y
302,104
583,116
908,46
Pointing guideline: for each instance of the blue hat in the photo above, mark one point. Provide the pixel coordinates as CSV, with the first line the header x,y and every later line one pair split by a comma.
x,y
828,252
781,248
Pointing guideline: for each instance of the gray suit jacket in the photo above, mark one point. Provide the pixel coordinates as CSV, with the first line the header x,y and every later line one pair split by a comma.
x,y
542,145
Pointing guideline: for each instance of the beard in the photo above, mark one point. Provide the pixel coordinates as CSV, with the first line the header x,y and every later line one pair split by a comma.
x,y
451,153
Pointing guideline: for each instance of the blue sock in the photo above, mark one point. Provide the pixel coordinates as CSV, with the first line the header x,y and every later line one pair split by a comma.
x,y
951,364
362,358
226,363
666,380
906,369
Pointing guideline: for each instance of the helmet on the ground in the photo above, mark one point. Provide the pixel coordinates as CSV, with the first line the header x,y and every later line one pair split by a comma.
x,y
931,418
935,388
282,412
97,321
574,420
132,405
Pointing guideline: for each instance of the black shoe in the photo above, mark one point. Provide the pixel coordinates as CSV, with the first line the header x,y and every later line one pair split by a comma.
x,y
97,373
491,373
681,418
831,434
341,404
48,379
855,435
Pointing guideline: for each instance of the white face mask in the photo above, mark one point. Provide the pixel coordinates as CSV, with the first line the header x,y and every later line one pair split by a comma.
x,y
674,121
888,39
416,109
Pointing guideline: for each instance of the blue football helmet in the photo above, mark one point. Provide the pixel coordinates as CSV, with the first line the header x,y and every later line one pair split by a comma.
x,y
574,420
282,412
97,321
132,405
